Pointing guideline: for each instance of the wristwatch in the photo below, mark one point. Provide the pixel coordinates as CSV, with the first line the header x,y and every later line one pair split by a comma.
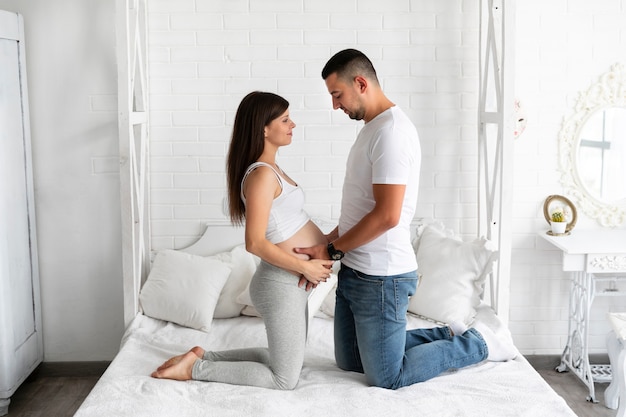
x,y
335,254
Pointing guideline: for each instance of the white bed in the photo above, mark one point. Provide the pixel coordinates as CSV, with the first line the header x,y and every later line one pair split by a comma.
x,y
500,389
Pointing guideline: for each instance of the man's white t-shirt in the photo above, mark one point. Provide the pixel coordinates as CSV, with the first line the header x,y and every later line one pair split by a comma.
x,y
386,151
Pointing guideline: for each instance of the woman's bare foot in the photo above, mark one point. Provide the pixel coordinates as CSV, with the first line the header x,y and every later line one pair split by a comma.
x,y
179,371
196,351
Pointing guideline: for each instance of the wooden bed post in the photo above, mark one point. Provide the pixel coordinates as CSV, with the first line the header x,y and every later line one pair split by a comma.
x,y
131,29
496,121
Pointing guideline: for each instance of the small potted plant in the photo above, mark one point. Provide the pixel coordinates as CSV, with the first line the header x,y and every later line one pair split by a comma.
x,y
558,222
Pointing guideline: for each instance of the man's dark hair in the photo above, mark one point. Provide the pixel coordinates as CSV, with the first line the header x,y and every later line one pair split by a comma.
x,y
348,64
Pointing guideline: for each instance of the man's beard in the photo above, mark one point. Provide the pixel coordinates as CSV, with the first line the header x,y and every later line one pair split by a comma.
x,y
357,114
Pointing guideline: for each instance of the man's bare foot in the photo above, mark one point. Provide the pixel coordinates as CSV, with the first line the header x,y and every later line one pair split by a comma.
x,y
196,350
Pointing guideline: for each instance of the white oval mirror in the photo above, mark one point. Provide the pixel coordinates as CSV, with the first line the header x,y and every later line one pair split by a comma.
x,y
601,159
592,149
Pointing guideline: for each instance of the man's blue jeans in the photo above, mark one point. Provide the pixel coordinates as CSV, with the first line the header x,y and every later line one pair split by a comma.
x,y
371,335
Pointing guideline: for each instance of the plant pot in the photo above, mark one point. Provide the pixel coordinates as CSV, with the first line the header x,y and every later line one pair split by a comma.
x,y
558,228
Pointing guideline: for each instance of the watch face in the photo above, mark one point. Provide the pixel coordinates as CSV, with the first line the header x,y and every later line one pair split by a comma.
x,y
334,254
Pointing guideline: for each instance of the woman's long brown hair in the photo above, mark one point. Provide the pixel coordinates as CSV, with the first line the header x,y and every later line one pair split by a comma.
x,y
255,111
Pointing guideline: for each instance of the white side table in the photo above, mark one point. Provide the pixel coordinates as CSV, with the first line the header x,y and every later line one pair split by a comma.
x,y
591,256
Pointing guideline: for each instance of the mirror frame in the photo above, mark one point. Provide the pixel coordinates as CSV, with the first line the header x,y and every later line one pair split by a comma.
x,y
608,91
563,201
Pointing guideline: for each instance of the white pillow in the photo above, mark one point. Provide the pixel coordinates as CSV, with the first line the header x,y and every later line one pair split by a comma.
x,y
328,305
243,265
245,299
452,274
319,294
183,288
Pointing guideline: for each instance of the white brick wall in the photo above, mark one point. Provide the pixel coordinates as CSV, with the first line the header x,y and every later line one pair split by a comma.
x,y
562,46
205,55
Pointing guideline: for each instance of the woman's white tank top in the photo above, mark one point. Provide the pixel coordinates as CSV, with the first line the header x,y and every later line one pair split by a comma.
x,y
287,214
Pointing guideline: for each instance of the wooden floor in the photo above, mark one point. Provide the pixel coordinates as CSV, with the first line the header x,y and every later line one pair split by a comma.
x,y
58,389
568,386
55,389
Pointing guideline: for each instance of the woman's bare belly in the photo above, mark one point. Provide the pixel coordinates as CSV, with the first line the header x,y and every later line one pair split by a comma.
x,y
308,235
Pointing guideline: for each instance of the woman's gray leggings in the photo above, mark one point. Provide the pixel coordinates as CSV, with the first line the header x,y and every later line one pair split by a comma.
x,y
282,304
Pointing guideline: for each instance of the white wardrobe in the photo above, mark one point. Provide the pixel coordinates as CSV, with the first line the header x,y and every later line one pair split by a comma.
x,y
21,346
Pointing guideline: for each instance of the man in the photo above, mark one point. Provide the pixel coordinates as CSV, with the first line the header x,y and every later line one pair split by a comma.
x,y
378,265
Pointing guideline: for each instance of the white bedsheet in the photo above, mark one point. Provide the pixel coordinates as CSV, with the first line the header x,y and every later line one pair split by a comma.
x,y
511,388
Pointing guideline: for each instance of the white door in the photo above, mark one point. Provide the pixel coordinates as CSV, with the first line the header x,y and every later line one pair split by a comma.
x,y
14,227
20,329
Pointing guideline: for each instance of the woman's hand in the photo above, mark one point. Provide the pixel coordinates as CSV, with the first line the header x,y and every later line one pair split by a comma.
x,y
314,272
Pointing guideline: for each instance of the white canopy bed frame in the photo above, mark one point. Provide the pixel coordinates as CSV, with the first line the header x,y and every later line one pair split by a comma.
x,y
495,130
134,146
499,389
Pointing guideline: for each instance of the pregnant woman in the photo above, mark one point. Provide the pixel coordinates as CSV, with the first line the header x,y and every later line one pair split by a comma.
x,y
270,204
